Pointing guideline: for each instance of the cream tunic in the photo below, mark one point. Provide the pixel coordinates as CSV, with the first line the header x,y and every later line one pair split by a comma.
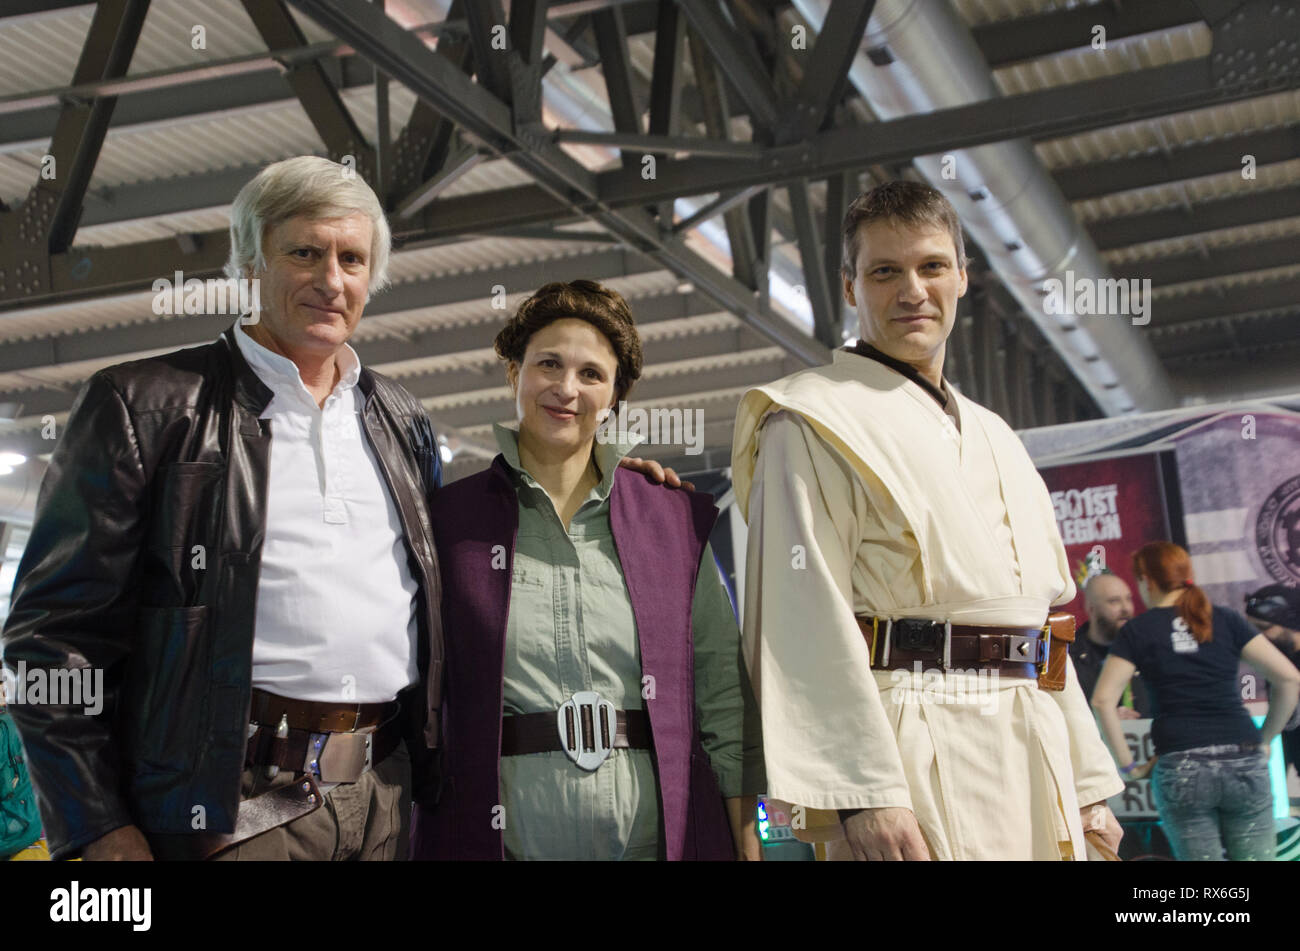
x,y
863,497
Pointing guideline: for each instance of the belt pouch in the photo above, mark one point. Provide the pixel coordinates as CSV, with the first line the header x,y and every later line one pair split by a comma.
x,y
1058,652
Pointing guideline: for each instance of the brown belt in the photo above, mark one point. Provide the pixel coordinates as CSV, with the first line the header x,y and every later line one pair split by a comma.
x,y
538,733
319,717
903,642
336,757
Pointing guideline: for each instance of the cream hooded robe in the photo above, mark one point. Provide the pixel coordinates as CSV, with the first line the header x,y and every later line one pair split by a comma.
x,y
863,498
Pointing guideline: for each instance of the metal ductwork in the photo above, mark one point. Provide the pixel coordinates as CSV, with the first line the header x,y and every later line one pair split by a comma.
x,y
918,56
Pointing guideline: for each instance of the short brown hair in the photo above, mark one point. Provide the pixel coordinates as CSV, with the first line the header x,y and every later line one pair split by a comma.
x,y
911,203
603,308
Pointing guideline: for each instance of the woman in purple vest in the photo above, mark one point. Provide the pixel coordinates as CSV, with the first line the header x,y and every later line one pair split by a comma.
x,y
596,706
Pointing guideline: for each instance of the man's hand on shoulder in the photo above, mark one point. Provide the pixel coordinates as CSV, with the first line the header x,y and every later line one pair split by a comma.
x,y
889,834
126,844
661,474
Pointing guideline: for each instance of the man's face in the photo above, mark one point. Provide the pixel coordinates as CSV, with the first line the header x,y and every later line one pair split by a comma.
x,y
564,387
905,289
1110,604
316,281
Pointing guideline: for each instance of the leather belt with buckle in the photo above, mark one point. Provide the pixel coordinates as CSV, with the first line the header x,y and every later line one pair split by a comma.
x,y
330,757
586,727
319,717
899,643
297,738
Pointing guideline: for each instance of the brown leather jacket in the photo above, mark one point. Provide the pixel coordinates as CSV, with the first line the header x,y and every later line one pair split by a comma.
x,y
159,456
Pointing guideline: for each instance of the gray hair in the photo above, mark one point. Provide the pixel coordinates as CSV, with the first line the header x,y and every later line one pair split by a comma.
x,y
311,186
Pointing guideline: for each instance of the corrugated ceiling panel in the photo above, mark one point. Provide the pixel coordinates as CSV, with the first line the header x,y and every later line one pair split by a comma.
x,y
1193,190
1119,56
1230,282
1204,242
976,12
149,229
1183,128
485,176
41,52
263,133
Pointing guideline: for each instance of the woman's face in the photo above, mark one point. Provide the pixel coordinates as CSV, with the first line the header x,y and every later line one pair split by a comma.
x,y
564,388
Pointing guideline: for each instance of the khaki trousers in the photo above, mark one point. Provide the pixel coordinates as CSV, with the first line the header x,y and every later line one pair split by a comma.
x,y
365,821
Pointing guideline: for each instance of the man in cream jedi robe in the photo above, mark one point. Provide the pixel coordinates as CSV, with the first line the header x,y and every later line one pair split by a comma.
x,y
873,489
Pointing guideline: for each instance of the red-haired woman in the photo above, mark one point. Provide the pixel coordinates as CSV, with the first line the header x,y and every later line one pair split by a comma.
x,y
1210,777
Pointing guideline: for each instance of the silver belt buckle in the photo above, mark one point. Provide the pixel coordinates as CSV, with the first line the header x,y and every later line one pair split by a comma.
x,y
333,759
587,724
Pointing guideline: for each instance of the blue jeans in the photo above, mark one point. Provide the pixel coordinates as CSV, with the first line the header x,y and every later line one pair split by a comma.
x,y
1216,796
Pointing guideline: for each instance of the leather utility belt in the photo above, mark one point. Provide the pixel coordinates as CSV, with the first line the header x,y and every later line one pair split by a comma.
x,y
331,742
1029,652
586,727
322,743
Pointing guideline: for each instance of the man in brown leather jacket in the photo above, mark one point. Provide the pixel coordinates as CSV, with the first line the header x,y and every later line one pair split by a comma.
x,y
261,483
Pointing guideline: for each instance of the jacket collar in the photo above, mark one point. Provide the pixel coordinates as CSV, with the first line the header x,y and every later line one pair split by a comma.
x,y
250,392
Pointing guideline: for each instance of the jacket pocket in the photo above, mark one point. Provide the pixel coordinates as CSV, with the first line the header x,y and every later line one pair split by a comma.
x,y
184,499
167,683
182,541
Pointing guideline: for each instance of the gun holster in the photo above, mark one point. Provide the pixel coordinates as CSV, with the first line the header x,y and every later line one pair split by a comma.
x,y
257,814
1060,629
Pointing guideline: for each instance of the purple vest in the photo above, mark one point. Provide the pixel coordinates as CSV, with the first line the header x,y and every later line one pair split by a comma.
x,y
660,535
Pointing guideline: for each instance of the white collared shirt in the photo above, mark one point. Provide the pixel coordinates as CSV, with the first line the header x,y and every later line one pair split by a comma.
x,y
335,616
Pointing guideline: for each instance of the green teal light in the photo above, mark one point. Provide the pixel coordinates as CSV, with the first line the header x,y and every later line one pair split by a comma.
x,y
1277,776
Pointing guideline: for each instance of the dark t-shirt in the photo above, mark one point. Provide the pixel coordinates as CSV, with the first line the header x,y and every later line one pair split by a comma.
x,y
1195,697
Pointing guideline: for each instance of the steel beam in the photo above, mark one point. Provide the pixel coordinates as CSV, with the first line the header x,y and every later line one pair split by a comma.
x,y
611,41
1230,212
666,85
841,190
735,59
717,121
241,82
1012,40
486,21
1096,179
662,144
166,196
825,325
320,100
718,206
666,73
424,145
827,71
81,128
1088,105
959,360
1214,262
1219,301
528,30
454,166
